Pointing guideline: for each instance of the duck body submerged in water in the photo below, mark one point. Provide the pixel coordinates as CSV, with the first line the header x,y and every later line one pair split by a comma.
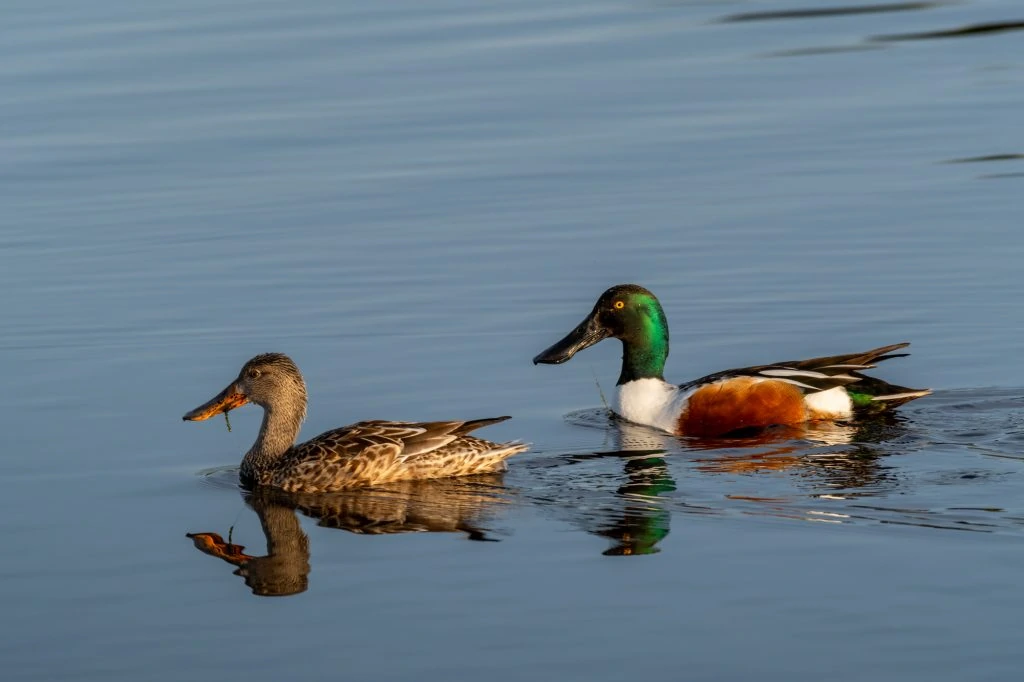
x,y
781,393
362,454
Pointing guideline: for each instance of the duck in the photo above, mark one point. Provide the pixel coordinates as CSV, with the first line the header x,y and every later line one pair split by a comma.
x,y
734,400
366,453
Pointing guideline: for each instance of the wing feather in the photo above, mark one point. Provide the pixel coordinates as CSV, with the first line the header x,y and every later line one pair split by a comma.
x,y
815,374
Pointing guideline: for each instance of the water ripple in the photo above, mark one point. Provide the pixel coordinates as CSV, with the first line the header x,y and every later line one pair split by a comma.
x,y
824,12
960,32
950,462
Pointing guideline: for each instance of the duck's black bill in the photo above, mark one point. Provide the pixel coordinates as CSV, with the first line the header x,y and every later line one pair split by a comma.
x,y
586,334
225,401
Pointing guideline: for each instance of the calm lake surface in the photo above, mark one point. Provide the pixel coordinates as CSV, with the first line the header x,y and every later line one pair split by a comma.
x,y
414,198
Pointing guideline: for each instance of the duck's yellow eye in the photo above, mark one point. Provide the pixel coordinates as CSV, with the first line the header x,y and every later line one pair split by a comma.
x,y
619,305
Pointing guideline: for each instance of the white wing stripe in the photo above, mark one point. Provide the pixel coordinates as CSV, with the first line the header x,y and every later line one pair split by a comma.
x,y
897,396
793,373
801,385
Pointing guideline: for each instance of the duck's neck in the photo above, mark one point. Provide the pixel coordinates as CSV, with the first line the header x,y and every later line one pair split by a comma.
x,y
282,530
285,568
645,350
281,424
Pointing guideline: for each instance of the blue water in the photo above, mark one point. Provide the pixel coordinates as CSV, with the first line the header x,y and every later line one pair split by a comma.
x,y
414,198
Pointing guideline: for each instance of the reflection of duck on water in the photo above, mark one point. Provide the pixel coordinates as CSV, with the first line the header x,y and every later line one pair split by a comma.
x,y
636,519
436,506
640,514
642,517
285,568
643,521
833,455
838,454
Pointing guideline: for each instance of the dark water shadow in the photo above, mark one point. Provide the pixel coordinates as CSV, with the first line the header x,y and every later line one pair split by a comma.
x,y
1001,176
812,51
871,42
457,505
969,31
827,12
987,159
991,158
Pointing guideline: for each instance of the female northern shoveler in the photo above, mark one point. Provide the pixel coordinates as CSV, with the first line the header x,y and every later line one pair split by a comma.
x,y
721,403
366,453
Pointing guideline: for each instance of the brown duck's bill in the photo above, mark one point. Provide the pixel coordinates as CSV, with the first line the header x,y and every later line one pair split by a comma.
x,y
225,401
214,545
586,334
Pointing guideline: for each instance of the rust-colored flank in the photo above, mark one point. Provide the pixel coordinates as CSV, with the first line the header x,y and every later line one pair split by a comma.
x,y
739,403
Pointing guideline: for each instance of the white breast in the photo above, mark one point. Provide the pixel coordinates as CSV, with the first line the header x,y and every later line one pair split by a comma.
x,y
652,402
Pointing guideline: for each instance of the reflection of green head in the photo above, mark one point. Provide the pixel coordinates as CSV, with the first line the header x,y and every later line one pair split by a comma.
x,y
647,523
646,539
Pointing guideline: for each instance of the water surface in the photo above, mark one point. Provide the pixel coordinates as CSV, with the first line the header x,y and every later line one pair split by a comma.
x,y
412,199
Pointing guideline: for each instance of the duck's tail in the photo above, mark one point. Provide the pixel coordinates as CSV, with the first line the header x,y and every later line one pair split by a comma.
x,y
869,394
473,424
494,459
874,395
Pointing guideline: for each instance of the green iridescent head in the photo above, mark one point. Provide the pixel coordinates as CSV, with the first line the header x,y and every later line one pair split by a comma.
x,y
627,312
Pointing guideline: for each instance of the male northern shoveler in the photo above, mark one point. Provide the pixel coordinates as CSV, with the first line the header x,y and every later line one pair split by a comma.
x,y
724,402
366,453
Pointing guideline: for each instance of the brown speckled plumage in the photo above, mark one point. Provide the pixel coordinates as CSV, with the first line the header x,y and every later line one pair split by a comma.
x,y
374,452
365,453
